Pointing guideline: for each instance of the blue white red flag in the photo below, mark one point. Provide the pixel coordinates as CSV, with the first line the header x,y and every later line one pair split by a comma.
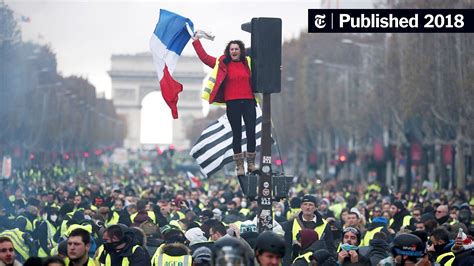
x,y
171,35
194,180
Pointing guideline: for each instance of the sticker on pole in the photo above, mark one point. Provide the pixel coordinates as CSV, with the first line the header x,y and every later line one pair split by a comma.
x,y
267,159
266,192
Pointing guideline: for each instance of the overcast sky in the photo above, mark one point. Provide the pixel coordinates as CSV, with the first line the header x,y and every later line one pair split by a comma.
x,y
84,34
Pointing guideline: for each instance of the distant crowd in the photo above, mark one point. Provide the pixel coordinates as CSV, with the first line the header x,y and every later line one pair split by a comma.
x,y
124,216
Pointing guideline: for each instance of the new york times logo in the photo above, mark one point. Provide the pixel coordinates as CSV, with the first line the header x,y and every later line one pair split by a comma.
x,y
319,21
391,20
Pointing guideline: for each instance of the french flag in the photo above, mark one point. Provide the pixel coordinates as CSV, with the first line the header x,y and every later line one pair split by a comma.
x,y
172,33
194,180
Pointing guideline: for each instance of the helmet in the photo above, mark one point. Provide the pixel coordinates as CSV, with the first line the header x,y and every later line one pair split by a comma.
x,y
408,245
270,242
230,251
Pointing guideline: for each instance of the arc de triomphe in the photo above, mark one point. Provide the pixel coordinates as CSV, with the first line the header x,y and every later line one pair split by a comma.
x,y
134,76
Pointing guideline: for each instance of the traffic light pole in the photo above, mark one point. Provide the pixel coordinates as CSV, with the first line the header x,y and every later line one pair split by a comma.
x,y
266,78
265,186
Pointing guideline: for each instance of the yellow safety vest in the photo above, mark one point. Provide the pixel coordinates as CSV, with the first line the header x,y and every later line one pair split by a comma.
x,y
446,259
158,251
211,82
51,229
42,253
292,212
244,211
16,236
374,187
406,221
238,224
337,208
306,256
167,260
125,261
201,206
63,227
114,220
180,215
90,262
54,251
98,253
72,227
369,236
298,224
51,232
151,214
29,225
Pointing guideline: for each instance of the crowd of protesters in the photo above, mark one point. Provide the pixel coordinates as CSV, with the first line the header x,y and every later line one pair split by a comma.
x,y
123,216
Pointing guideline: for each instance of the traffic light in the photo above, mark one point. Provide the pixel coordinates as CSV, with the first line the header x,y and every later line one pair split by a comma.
x,y
265,53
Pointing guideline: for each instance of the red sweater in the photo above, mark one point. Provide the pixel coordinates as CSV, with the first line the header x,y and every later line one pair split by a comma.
x,y
237,82
233,79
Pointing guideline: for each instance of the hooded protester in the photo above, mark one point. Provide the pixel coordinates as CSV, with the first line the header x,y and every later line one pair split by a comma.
x,y
400,217
377,250
322,257
310,243
196,239
120,248
378,224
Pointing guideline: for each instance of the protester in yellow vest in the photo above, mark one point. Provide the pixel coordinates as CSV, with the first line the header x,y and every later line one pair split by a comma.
x,y
121,249
349,249
307,218
22,242
310,243
172,254
400,217
78,245
441,246
378,224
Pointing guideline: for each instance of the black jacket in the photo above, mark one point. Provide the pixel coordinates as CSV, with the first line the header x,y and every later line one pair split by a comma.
x,y
464,257
137,258
398,220
377,250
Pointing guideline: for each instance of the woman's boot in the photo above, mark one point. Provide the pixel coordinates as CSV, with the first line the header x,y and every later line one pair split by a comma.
x,y
251,162
239,163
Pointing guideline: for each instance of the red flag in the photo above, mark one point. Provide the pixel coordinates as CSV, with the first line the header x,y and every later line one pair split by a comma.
x,y
170,89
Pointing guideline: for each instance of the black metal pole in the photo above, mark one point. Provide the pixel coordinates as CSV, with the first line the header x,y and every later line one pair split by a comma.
x,y
265,216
